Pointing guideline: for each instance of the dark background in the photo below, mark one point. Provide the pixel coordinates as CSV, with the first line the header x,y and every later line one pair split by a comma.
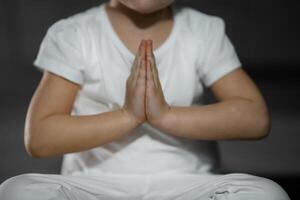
x,y
265,34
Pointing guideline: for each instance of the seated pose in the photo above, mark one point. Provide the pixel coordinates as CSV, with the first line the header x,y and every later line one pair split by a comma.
x,y
120,98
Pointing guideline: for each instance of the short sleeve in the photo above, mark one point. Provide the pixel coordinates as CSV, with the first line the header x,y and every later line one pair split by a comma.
x,y
220,57
61,52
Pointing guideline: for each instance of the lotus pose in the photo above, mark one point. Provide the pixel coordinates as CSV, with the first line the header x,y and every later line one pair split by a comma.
x,y
120,98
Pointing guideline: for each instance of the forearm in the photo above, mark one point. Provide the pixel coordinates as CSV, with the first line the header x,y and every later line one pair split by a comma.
x,y
232,119
60,134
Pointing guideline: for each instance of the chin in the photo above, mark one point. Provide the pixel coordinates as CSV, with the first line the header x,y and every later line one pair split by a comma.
x,y
146,6
146,10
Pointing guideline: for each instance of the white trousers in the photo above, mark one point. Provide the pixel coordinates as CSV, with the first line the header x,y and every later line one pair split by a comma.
x,y
183,186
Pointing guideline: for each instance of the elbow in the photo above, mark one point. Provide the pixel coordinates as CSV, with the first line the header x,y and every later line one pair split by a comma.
x,y
34,146
256,124
262,131
262,126
30,141
33,150
36,142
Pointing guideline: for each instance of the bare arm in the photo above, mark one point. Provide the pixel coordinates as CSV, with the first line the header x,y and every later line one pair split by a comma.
x,y
241,113
51,130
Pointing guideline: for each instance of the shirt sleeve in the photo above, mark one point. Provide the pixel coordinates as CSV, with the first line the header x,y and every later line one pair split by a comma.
x,y
220,57
61,53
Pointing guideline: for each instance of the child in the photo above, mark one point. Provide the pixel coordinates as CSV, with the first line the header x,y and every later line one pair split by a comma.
x,y
126,118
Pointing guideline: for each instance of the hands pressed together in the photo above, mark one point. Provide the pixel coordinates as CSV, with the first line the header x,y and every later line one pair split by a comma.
x,y
144,100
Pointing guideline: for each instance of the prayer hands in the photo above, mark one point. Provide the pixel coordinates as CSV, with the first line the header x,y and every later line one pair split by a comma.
x,y
155,103
136,87
144,96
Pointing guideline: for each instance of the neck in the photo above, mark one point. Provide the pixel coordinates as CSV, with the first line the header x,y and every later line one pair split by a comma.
x,y
140,19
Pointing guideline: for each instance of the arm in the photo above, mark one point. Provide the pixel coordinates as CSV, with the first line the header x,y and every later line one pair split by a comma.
x,y
51,130
241,113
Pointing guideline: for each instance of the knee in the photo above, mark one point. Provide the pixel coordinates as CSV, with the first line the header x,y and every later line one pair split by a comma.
x,y
261,188
271,189
17,187
13,187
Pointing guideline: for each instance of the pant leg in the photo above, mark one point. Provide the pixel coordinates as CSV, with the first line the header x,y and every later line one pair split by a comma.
x,y
60,187
245,187
234,186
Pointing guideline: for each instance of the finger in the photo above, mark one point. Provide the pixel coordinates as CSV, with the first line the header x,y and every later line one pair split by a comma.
x,y
151,60
150,85
141,81
148,49
139,61
147,85
154,67
134,64
136,57
151,69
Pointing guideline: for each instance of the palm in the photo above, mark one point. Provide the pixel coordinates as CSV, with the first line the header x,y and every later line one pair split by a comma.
x,y
136,86
156,106
144,96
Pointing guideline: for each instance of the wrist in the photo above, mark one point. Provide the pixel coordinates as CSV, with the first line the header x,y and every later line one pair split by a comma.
x,y
163,120
132,119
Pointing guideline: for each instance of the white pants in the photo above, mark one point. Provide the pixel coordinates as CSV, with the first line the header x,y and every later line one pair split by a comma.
x,y
183,186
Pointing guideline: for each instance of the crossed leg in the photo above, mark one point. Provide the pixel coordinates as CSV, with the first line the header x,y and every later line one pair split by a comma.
x,y
235,186
60,187
174,186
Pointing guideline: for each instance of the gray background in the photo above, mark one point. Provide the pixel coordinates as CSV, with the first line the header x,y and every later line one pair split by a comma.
x,y
265,34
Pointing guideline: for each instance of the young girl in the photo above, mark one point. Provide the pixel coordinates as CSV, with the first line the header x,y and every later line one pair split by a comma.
x,y
120,98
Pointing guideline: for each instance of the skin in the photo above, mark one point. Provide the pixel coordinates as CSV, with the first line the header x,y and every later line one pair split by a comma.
x,y
157,25
240,112
143,6
50,129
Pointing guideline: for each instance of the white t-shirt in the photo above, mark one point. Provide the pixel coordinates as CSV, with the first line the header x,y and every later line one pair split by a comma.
x,y
84,49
